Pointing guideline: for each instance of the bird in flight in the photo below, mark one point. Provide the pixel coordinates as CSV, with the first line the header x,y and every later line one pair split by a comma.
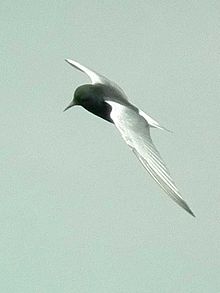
x,y
107,100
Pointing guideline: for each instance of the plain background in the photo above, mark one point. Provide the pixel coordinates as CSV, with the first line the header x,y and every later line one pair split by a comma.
x,y
78,213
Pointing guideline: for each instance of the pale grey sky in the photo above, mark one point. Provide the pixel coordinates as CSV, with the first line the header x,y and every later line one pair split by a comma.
x,y
78,213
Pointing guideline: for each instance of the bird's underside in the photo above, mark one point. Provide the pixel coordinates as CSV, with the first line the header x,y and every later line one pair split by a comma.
x,y
134,126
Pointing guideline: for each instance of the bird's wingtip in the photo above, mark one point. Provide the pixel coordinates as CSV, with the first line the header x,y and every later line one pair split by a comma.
x,y
73,63
187,208
191,213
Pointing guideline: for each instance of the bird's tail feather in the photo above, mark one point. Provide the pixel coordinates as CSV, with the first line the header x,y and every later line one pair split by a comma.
x,y
153,123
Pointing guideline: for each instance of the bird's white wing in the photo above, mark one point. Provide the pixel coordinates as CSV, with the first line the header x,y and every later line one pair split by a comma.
x,y
136,132
96,77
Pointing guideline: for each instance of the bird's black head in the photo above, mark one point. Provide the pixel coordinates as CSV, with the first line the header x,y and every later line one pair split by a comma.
x,y
84,95
91,97
87,96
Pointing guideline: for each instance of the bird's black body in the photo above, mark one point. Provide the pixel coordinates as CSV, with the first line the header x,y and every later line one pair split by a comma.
x,y
91,97
101,109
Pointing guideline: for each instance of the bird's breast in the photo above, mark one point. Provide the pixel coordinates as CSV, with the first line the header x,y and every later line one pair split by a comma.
x,y
101,109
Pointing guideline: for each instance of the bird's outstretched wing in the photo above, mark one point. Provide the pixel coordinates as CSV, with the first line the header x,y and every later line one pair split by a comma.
x,y
96,77
136,132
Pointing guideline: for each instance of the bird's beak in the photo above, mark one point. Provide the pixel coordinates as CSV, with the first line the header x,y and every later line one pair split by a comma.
x,y
69,106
